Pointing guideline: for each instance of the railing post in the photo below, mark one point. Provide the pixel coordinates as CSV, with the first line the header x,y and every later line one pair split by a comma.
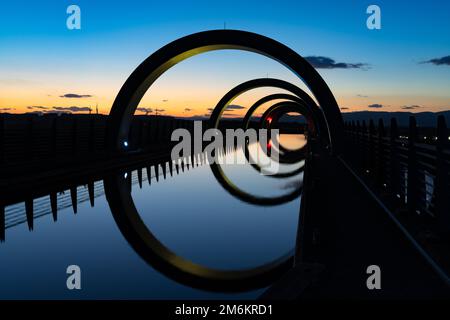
x,y
371,148
2,222
54,205
54,137
150,131
74,136
140,141
359,147
380,166
394,167
28,145
364,147
441,195
145,133
91,143
29,211
413,175
354,133
2,139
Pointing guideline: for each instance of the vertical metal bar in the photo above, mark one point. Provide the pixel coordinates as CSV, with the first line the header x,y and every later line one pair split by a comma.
x,y
2,139
91,143
75,136
140,141
91,193
29,210
54,205
139,174
73,197
164,170
54,137
358,146
28,145
364,145
371,148
394,167
149,174
2,222
157,172
380,166
413,175
171,167
441,194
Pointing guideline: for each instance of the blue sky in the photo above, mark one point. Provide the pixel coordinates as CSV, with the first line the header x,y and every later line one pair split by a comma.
x,y
41,59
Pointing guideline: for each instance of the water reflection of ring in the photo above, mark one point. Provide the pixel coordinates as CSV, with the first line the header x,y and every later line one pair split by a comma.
x,y
118,127
149,248
260,102
234,190
288,157
271,97
274,113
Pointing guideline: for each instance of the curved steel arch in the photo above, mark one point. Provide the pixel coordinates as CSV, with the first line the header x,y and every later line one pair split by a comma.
x,y
248,197
271,97
303,98
156,64
285,107
156,254
292,156
234,190
275,112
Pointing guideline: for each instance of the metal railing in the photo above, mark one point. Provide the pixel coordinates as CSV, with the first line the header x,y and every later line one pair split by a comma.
x,y
408,168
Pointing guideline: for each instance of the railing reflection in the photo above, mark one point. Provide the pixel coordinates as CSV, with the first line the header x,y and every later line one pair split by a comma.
x,y
50,197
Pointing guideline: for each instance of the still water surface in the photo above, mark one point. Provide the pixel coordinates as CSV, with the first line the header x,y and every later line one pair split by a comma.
x,y
190,213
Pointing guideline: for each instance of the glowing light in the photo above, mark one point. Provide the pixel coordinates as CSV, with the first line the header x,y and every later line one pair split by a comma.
x,y
269,120
125,143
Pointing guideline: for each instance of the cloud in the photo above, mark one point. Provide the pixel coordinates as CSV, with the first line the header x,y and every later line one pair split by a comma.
x,y
344,108
411,107
228,113
72,109
165,100
37,107
439,61
210,109
146,110
6,109
362,96
320,62
376,106
187,109
41,112
235,107
76,96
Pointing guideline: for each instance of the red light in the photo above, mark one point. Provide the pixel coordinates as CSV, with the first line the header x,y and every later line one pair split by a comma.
x,y
269,119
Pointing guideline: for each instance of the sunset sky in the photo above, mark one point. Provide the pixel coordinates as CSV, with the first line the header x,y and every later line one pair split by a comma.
x,y
47,67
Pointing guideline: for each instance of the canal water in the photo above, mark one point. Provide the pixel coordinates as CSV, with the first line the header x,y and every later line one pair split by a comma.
x,y
190,213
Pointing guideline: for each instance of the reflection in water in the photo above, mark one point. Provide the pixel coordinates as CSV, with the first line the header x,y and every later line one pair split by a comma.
x,y
189,213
